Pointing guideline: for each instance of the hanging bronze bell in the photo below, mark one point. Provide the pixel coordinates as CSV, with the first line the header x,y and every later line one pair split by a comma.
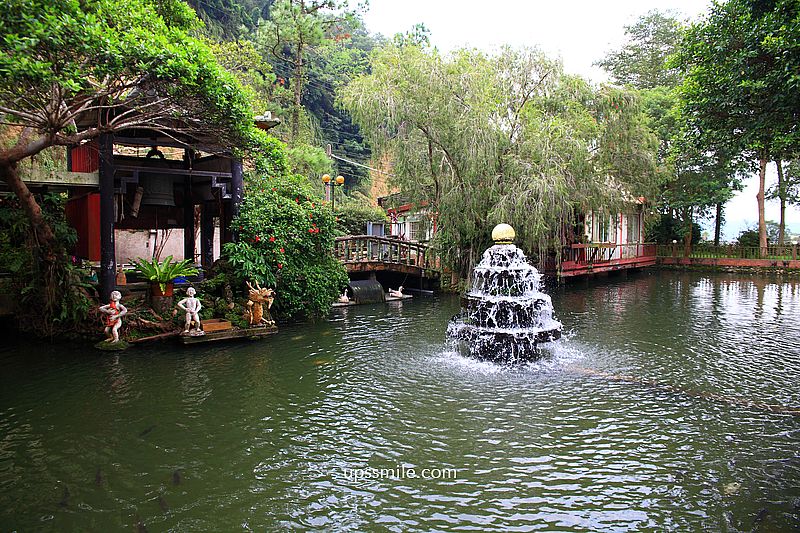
x,y
158,190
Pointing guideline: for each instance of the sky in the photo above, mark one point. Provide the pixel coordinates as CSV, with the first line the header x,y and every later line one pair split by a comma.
x,y
579,32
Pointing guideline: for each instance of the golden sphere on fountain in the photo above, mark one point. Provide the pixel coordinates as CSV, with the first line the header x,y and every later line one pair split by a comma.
x,y
503,234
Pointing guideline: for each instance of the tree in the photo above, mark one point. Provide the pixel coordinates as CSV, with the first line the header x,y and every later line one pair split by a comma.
x,y
701,180
229,18
641,62
741,89
504,138
690,178
293,28
786,191
131,64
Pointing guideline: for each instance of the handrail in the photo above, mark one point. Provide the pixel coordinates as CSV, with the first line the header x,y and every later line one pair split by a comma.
x,y
371,248
604,252
731,251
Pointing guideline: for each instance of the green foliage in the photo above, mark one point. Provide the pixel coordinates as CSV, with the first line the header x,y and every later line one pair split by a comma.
x,y
331,57
694,178
118,54
501,138
352,217
791,185
269,154
641,62
309,161
741,87
245,62
70,304
286,241
229,18
163,272
748,237
666,229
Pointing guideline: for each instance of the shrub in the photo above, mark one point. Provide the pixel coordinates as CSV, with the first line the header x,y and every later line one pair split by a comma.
x,y
164,272
286,241
748,237
352,217
665,229
28,281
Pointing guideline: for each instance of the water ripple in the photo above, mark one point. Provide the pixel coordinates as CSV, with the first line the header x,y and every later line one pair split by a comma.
x,y
664,407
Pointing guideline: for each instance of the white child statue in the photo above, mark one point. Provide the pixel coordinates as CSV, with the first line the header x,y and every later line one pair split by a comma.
x,y
115,311
191,306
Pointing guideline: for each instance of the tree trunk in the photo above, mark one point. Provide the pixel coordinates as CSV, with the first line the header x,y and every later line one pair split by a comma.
x,y
298,89
41,231
762,222
782,197
718,224
687,236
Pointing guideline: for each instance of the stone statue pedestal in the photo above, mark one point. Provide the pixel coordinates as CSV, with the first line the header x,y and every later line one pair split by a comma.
x,y
108,346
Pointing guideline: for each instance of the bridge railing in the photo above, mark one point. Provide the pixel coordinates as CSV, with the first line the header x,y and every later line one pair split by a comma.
x,y
369,248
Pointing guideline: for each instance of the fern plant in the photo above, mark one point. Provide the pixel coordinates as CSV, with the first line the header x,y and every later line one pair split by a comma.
x,y
165,271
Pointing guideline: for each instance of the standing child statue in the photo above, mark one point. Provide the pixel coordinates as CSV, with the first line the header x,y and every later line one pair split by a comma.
x,y
191,306
114,311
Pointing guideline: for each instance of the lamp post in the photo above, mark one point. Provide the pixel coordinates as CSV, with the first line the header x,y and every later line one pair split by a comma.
x,y
338,181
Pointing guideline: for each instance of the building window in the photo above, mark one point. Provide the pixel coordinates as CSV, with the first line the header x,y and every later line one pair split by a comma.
x,y
604,228
417,231
633,228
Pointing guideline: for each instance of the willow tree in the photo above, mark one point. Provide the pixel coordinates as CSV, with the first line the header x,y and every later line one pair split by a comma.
x,y
499,138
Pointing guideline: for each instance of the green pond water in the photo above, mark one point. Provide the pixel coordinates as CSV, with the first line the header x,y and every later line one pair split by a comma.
x,y
664,408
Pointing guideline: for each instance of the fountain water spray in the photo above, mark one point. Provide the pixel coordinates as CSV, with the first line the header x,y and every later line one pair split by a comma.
x,y
504,316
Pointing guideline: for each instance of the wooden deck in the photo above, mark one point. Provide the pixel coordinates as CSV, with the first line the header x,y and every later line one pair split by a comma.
x,y
236,333
586,259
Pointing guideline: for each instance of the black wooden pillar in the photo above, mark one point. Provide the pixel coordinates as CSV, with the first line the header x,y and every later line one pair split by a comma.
x,y
237,193
207,235
188,221
108,266
188,209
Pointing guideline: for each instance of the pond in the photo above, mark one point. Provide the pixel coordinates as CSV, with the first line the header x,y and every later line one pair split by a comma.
x,y
666,406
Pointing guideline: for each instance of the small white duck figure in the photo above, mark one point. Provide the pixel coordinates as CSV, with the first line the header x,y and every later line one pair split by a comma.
x,y
396,293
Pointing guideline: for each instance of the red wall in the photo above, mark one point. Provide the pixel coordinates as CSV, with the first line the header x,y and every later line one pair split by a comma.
x,y
83,214
85,158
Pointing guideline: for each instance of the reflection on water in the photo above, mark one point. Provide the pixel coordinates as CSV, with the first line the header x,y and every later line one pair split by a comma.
x,y
655,412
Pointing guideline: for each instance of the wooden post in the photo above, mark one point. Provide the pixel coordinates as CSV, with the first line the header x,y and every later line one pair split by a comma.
x,y
237,194
108,263
188,210
188,228
207,235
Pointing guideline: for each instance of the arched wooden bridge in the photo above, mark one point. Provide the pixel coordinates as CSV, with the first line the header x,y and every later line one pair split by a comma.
x,y
369,254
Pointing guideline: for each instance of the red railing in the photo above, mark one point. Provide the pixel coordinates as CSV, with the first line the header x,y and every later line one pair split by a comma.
x,y
731,251
368,248
599,253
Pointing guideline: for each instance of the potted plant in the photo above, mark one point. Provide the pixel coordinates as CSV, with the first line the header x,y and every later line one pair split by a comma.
x,y
161,274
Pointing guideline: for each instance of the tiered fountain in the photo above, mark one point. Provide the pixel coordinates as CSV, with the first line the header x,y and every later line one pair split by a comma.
x,y
504,316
